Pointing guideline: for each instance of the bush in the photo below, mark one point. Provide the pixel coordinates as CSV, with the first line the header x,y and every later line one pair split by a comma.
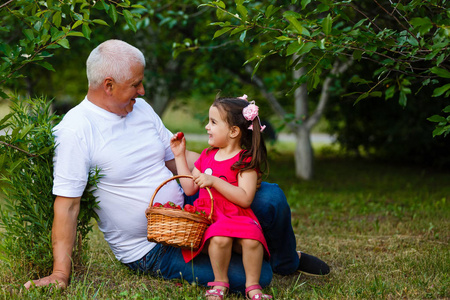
x,y
26,180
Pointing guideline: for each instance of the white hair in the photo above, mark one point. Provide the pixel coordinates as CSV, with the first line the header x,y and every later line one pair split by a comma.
x,y
112,58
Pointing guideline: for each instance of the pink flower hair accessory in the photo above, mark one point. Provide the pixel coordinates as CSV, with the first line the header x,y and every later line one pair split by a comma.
x,y
244,97
250,112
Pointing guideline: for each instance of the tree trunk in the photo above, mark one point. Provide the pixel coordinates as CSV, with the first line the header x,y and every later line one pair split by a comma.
x,y
304,154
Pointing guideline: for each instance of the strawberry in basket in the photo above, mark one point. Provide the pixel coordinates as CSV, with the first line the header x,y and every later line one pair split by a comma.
x,y
190,208
170,204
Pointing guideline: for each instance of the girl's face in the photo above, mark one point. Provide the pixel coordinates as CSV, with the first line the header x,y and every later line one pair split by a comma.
x,y
217,128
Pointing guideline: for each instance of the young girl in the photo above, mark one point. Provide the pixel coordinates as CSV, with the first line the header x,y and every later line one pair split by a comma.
x,y
229,167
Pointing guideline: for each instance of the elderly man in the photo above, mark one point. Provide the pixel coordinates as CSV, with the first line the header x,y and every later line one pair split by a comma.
x,y
119,133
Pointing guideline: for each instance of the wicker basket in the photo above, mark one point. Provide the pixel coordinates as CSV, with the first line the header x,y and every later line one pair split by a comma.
x,y
176,227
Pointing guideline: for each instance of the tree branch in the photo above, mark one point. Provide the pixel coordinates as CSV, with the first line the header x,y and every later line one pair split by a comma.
x,y
324,94
276,106
6,4
17,148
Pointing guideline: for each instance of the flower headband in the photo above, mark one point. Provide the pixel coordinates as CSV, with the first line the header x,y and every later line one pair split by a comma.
x,y
250,112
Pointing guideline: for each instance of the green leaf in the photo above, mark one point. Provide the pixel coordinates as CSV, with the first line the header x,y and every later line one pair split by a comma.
x,y
57,19
359,80
293,47
436,119
221,31
357,54
306,48
402,100
46,65
292,18
285,38
138,6
305,3
29,34
237,30
75,33
220,4
376,94
101,22
242,12
440,72
361,97
64,42
441,90
113,14
390,92
441,130
242,36
130,19
86,30
446,109
327,24
256,67
77,23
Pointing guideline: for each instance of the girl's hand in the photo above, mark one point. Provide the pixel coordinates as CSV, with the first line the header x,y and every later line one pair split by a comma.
x,y
204,180
178,144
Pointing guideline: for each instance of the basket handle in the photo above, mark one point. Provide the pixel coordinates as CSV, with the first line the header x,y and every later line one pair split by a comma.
x,y
182,176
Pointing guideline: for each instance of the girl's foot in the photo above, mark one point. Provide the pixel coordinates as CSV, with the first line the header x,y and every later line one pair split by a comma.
x,y
254,292
218,291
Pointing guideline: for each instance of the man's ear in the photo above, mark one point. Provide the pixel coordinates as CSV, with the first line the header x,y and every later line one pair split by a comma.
x,y
235,131
108,84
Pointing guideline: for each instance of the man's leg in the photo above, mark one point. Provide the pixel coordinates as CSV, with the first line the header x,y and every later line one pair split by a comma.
x,y
273,212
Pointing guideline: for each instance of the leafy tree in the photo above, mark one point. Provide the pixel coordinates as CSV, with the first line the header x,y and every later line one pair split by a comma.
x,y
408,41
30,33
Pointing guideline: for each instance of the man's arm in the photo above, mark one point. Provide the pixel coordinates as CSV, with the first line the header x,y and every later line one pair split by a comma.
x,y
63,238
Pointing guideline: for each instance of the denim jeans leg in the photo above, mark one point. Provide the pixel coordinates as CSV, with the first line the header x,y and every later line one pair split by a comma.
x,y
149,263
273,212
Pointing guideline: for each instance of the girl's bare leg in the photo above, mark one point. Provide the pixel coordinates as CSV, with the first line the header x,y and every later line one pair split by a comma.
x,y
252,257
219,251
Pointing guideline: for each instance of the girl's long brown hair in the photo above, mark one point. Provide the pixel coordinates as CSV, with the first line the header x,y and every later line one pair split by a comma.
x,y
251,140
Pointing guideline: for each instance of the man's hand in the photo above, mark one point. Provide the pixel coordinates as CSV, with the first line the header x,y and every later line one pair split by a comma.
x,y
59,280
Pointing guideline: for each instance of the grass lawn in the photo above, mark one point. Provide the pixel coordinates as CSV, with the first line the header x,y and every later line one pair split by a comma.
x,y
384,230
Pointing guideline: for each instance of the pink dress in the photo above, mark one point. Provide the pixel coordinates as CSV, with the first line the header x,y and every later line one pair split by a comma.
x,y
228,218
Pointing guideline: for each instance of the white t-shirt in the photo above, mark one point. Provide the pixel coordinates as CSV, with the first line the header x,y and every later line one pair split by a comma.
x,y
130,152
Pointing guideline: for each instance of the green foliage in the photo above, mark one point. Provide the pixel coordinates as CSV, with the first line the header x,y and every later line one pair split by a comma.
x,y
30,31
386,131
408,41
26,172
443,123
26,181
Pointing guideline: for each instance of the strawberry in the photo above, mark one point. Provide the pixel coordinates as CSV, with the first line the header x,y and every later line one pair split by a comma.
x,y
180,135
168,205
178,207
157,204
189,208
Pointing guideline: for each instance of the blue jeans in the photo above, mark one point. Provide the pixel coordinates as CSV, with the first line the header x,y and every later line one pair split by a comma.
x,y
273,212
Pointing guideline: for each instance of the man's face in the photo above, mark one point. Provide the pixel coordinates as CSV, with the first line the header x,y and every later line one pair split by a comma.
x,y
124,94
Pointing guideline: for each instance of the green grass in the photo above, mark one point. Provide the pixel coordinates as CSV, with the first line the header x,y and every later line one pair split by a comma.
x,y
384,230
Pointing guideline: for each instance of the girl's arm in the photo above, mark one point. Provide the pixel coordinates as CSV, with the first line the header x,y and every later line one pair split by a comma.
x,y
178,147
241,195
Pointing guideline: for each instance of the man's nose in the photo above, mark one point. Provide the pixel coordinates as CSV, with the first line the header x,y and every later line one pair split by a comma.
x,y
141,90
